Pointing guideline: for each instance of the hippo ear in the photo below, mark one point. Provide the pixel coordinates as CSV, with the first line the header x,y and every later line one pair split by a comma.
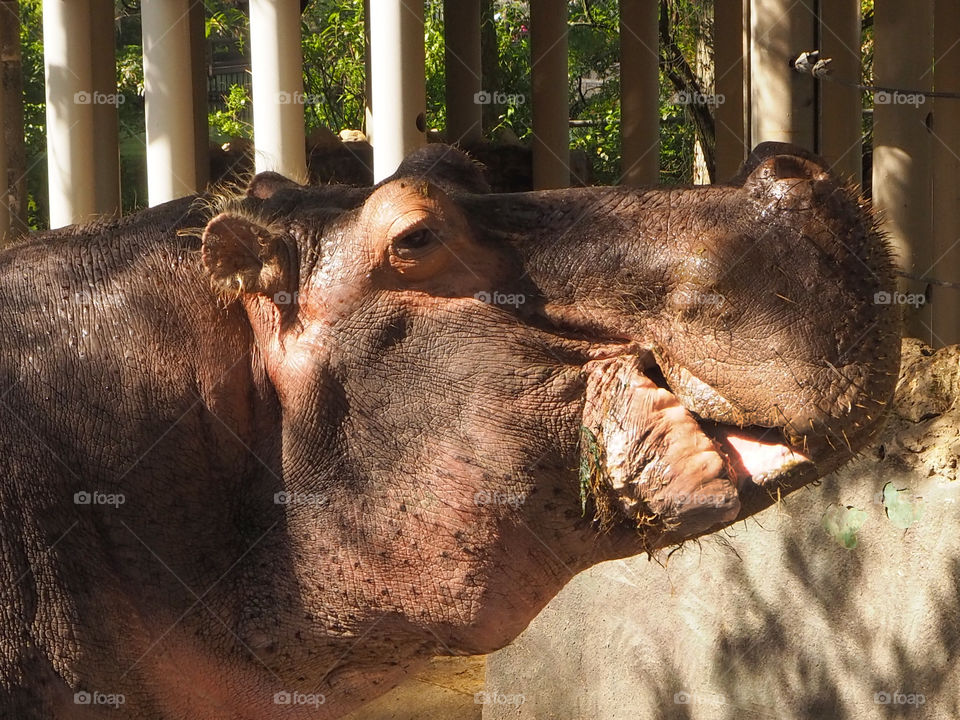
x,y
785,167
775,162
242,256
265,184
446,167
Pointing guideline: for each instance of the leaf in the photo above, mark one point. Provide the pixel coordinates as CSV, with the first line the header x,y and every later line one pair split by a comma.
x,y
901,511
842,524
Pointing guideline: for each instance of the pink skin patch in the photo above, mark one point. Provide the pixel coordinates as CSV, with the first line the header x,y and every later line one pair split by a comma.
x,y
762,459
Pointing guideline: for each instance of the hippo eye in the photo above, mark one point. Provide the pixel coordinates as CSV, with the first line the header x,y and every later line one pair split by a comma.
x,y
415,243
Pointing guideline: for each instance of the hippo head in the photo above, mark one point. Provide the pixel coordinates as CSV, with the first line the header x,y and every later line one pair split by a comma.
x,y
484,394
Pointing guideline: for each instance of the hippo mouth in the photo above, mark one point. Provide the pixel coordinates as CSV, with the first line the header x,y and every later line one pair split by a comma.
x,y
655,458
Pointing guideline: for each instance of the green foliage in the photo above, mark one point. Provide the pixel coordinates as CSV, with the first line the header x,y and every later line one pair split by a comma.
x,y
435,65
333,65
866,77
132,130
591,463
593,68
130,70
230,123
512,23
677,139
228,23
34,112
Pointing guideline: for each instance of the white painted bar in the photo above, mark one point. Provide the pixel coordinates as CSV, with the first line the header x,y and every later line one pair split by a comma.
x,y
728,82
278,98
462,63
841,108
782,99
945,323
398,84
168,90
69,111
106,148
367,75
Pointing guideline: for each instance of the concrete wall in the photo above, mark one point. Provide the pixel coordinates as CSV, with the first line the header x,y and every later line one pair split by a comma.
x,y
776,618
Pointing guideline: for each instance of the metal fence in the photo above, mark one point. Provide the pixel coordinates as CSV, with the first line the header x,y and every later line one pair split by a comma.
x,y
219,83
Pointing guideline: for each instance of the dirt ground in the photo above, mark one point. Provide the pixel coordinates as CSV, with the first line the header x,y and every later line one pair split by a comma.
x,y
444,690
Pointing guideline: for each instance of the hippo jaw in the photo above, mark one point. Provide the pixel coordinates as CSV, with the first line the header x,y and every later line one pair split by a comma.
x,y
649,460
674,458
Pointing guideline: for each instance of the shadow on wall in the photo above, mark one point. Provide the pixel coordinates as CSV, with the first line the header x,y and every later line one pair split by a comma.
x,y
843,603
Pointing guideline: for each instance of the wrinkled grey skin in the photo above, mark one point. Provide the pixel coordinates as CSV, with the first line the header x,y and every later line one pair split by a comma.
x,y
334,461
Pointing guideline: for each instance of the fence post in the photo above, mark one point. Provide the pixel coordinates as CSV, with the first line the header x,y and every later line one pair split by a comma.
x,y
461,20
945,322
782,108
168,91
550,109
639,92
106,147
398,85
903,51
729,80
841,108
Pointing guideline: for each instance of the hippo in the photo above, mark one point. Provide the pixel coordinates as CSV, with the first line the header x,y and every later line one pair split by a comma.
x,y
265,452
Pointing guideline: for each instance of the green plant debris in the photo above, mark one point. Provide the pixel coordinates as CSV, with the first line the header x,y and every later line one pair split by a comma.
x,y
594,482
900,509
842,524
590,464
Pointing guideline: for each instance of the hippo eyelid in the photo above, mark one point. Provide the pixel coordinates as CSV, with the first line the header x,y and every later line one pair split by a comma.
x,y
416,241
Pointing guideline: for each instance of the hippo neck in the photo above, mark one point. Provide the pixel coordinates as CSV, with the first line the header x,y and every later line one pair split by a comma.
x,y
123,376
127,305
